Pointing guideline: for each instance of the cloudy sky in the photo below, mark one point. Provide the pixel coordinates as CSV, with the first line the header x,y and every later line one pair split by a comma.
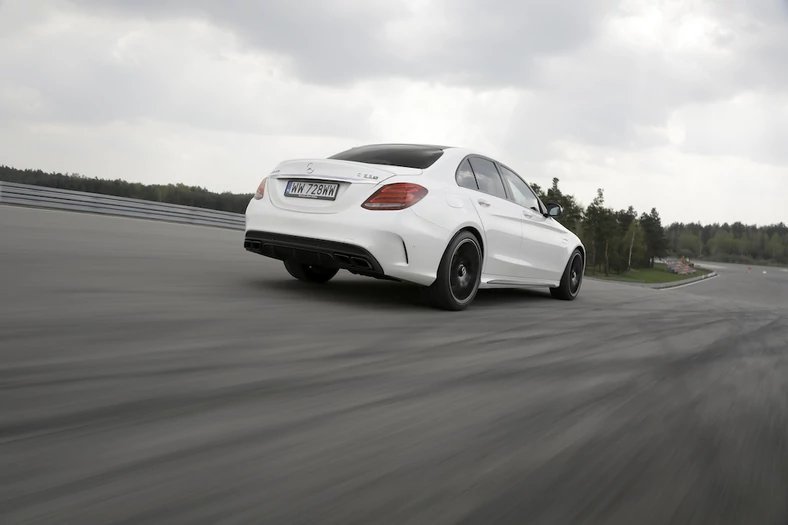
x,y
681,105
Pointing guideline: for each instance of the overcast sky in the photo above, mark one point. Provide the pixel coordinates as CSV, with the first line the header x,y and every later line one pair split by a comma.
x,y
680,105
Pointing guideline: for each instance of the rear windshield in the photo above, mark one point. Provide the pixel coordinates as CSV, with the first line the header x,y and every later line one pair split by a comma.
x,y
404,155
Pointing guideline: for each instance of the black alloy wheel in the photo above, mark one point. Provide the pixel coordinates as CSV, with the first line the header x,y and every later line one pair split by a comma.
x,y
464,270
459,274
572,280
575,275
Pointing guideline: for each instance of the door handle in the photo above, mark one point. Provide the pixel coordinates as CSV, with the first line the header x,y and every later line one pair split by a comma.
x,y
484,203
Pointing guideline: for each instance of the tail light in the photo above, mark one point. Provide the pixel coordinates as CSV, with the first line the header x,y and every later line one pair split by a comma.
x,y
396,196
260,190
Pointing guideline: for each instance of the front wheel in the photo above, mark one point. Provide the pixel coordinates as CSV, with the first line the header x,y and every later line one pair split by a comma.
x,y
459,274
571,280
310,274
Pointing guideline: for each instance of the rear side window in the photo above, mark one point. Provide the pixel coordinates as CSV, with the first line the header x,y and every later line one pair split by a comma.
x,y
464,177
487,177
403,155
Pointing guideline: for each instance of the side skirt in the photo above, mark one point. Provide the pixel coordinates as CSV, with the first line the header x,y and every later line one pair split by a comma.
x,y
516,283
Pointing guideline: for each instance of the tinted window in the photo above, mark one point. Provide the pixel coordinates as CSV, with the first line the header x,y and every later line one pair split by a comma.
x,y
465,176
521,193
487,177
405,155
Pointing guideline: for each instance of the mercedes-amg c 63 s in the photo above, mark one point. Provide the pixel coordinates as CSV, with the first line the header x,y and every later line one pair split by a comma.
x,y
449,219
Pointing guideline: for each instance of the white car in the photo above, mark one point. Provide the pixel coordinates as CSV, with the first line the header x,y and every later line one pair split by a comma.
x,y
449,219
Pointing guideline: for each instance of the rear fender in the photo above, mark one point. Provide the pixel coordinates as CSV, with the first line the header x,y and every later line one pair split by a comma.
x,y
452,212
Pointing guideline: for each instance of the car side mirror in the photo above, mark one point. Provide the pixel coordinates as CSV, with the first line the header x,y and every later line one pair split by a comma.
x,y
554,210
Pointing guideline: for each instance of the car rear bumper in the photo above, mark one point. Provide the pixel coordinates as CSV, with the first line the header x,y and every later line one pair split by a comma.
x,y
315,252
397,245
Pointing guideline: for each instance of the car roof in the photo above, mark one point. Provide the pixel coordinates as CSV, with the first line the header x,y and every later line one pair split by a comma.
x,y
456,149
402,144
457,152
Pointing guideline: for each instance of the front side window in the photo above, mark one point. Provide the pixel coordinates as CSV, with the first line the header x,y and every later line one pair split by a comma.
x,y
521,193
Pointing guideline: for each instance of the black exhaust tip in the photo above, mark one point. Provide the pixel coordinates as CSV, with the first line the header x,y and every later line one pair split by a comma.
x,y
342,259
361,263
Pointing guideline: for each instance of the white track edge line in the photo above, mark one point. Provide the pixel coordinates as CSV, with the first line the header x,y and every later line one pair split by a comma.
x,y
689,284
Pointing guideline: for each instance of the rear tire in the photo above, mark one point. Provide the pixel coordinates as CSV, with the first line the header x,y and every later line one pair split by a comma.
x,y
572,280
310,274
459,274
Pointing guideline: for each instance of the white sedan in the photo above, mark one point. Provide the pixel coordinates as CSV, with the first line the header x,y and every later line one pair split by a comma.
x,y
449,219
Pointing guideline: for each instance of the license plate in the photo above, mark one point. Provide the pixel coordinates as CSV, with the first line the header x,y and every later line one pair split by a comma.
x,y
312,190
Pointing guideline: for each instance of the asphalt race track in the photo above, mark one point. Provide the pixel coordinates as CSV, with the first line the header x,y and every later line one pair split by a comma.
x,y
158,373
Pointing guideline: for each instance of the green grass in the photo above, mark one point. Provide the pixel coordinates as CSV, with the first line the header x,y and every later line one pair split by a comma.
x,y
655,275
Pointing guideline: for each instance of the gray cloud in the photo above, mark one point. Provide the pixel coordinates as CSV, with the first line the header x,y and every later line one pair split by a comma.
x,y
607,97
329,42
68,77
587,92
462,41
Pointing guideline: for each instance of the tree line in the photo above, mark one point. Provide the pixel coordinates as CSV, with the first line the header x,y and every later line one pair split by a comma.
x,y
169,193
616,240
620,240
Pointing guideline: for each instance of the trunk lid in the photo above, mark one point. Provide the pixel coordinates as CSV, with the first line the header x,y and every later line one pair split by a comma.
x,y
327,185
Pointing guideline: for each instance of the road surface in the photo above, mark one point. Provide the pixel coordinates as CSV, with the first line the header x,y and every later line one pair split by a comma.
x,y
158,373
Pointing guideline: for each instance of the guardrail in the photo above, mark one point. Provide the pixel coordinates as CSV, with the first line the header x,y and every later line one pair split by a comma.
x,y
55,198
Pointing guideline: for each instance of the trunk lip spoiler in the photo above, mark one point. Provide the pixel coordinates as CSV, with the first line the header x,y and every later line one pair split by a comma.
x,y
287,167
317,176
